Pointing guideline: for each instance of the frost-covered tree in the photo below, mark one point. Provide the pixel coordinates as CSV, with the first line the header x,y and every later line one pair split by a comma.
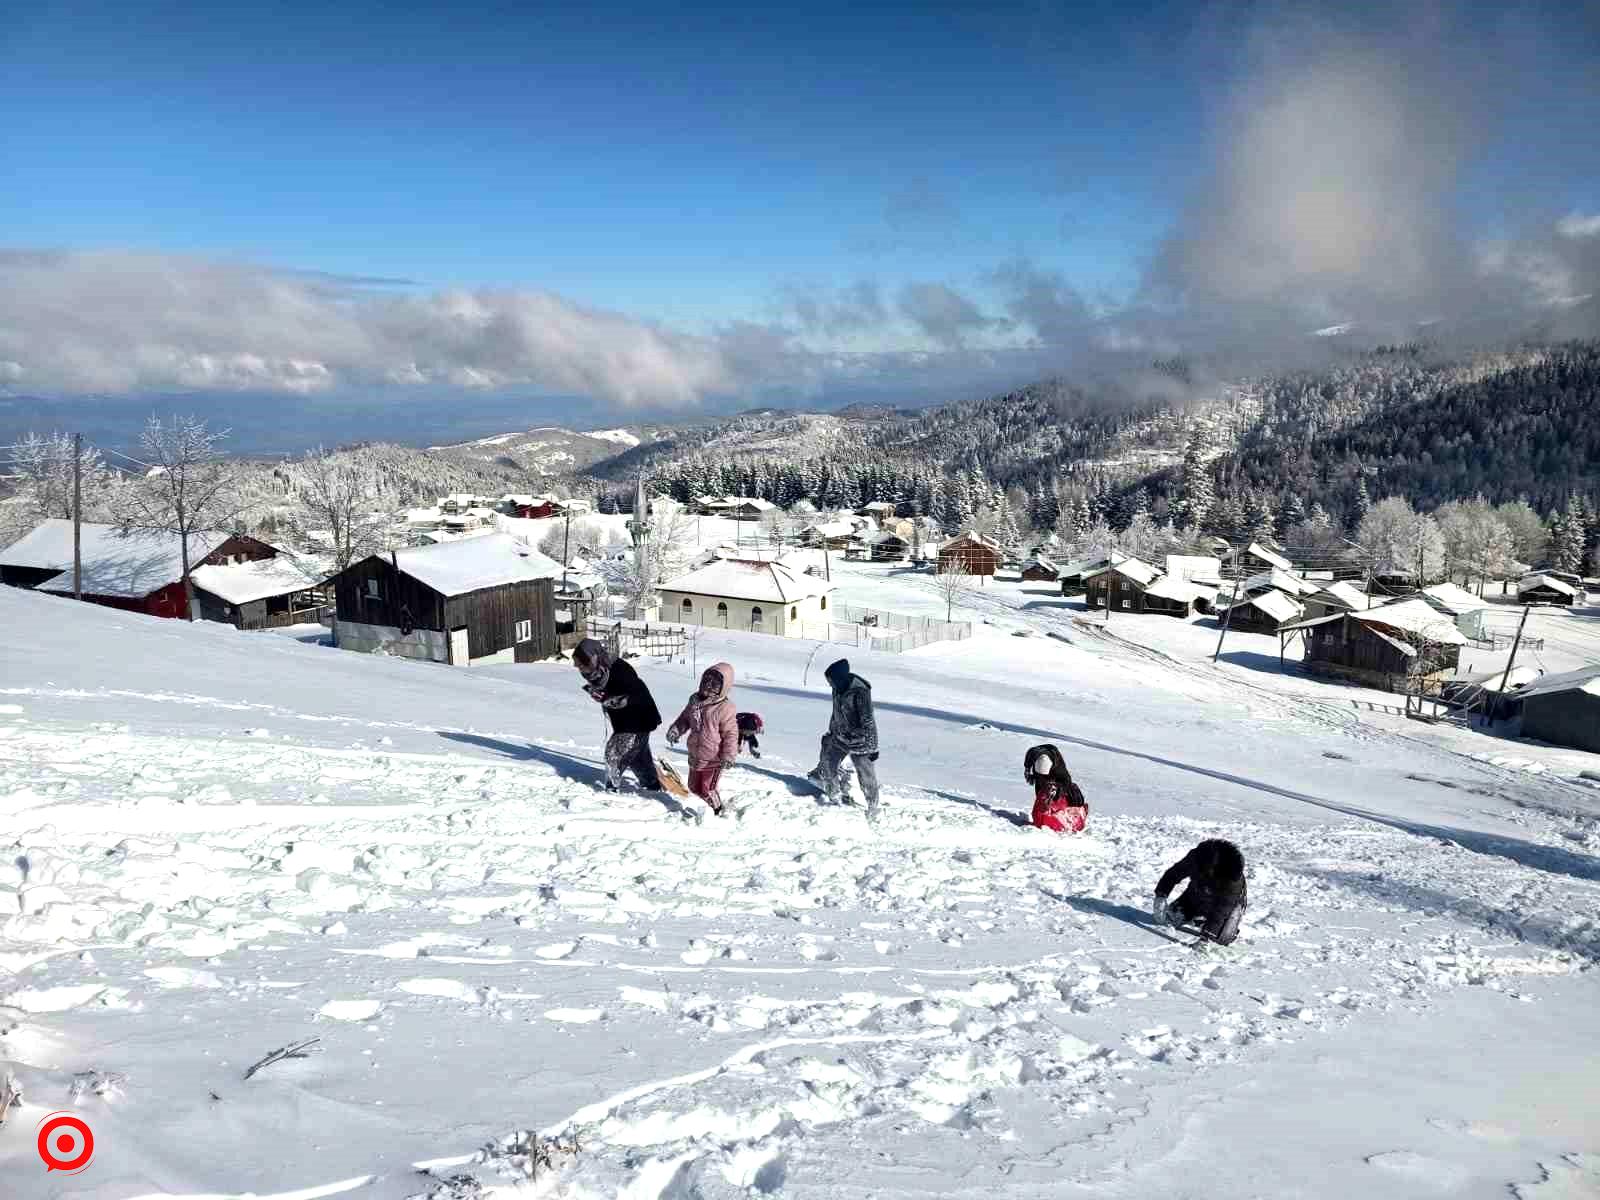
x,y
41,470
1199,492
1402,541
336,498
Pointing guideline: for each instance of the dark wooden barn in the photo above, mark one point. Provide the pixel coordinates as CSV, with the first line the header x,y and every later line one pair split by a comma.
x,y
478,600
1546,589
1400,647
972,552
1563,709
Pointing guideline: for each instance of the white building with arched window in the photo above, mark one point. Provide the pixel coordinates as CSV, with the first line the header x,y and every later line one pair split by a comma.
x,y
758,597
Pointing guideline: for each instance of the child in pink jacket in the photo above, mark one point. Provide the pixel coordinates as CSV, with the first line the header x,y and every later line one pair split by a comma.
x,y
713,728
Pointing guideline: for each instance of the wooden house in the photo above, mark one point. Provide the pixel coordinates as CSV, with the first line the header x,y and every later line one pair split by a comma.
x,y
135,571
1204,569
1400,647
1072,575
1330,599
748,594
1273,579
1040,569
1266,612
879,510
1545,589
1120,586
1563,709
267,593
972,552
888,547
1259,557
478,600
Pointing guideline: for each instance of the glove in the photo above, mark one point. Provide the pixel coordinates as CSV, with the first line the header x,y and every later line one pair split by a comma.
x,y
615,702
727,764
673,735
1159,910
595,693
873,757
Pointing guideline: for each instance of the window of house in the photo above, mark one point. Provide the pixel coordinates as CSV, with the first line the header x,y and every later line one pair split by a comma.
x,y
372,589
722,610
824,602
688,604
755,617
524,631
794,613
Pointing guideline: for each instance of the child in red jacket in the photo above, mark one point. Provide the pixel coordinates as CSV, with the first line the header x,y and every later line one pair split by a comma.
x,y
1058,802
713,728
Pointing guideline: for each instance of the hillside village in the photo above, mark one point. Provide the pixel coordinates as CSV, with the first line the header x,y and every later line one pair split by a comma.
x,y
878,578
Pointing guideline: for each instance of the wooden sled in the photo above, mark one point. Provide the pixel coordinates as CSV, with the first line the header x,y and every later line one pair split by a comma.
x,y
671,782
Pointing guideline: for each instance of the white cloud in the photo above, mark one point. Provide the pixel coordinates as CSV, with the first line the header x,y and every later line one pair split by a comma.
x,y
1576,225
122,322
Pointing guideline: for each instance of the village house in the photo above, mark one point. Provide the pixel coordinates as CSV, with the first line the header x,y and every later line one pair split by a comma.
x,y
1545,589
1341,596
1120,586
1489,694
1040,569
748,594
1401,647
478,600
1072,575
267,593
140,570
1266,612
878,510
1257,557
833,535
971,552
1563,709
1273,579
888,547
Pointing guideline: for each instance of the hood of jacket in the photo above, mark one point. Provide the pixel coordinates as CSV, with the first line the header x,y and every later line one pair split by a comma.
x,y
726,671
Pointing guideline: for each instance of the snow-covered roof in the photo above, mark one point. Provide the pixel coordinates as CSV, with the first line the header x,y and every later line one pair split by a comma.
x,y
1275,604
885,536
1042,562
1416,617
1183,591
974,537
470,564
130,565
1286,582
1529,582
1135,569
1270,557
1346,594
241,583
745,579
519,498
1404,647
1449,598
1501,680
1087,566
1197,568
1585,679
422,516
831,529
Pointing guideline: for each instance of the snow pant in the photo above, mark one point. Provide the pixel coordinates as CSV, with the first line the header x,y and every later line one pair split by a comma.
x,y
1217,916
631,752
703,783
832,758
747,741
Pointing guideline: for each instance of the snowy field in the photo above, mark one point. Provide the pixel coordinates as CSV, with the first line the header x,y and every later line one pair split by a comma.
x,y
216,844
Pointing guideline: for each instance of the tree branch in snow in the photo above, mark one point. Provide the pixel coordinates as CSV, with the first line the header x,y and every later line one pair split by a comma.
x,y
293,1050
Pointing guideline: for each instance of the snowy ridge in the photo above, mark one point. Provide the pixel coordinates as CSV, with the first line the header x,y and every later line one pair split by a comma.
x,y
219,844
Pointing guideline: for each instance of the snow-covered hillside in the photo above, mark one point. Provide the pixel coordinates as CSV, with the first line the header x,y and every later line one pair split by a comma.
x,y
549,451
217,844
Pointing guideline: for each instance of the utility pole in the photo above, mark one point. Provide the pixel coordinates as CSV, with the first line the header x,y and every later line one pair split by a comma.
x,y
1515,645
566,549
77,516
1227,617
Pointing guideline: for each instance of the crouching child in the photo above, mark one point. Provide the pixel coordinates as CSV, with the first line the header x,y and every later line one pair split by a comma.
x,y
1058,802
712,727
750,724
1215,899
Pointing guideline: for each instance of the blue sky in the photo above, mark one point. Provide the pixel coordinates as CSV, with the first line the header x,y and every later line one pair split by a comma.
x,y
698,170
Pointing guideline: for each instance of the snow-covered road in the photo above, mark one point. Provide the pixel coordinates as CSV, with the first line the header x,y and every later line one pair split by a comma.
x,y
218,844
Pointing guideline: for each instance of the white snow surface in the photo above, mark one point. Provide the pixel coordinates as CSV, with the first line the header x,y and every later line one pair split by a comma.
x,y
217,844
620,436
746,579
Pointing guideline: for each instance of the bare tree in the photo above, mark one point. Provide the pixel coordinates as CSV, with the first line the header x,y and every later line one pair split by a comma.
x,y
44,470
954,582
672,545
336,499
189,488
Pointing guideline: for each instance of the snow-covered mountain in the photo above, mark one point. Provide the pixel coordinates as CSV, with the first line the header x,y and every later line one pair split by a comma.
x,y
220,844
550,451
